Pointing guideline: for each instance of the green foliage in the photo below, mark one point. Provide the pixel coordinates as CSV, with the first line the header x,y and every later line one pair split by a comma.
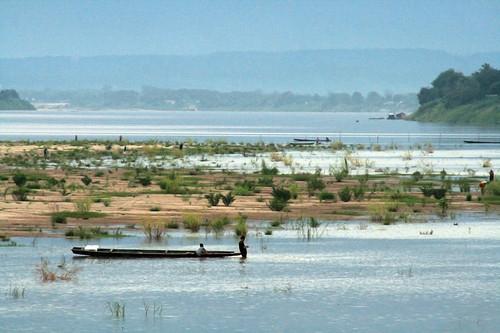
x,y
20,194
173,184
59,218
213,198
218,225
19,179
468,197
266,171
89,233
493,188
314,184
10,100
358,192
266,180
241,227
277,205
326,196
144,180
244,188
417,176
345,194
281,193
86,180
192,222
228,199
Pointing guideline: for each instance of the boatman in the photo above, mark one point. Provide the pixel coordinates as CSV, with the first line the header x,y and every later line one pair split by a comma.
x,y
243,247
201,250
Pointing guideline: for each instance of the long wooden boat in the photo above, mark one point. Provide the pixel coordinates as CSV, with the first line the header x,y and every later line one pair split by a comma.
x,y
327,139
482,142
99,252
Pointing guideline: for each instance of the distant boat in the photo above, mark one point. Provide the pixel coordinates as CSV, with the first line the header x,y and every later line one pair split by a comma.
x,y
481,142
327,139
96,251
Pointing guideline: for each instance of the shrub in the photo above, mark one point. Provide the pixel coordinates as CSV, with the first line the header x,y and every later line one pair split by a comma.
x,y
294,190
277,204
439,193
172,185
345,194
244,188
266,180
173,225
155,209
213,198
86,180
359,192
326,196
241,227
218,225
301,177
427,190
58,218
268,171
83,205
153,230
144,180
281,193
468,197
228,199
19,179
493,188
315,184
20,194
192,222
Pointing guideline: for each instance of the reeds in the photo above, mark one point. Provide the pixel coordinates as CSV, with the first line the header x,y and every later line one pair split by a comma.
x,y
116,309
62,272
154,230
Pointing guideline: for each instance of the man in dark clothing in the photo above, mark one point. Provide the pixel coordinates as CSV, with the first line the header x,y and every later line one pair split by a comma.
x,y
243,247
492,176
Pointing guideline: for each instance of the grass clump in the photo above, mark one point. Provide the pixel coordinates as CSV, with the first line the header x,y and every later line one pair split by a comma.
x,y
91,232
280,199
345,194
241,227
153,230
192,222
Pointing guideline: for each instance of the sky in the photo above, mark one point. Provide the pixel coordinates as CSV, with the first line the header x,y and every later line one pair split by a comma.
x,y
107,27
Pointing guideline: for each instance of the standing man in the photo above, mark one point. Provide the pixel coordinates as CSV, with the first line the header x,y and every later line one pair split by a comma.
x,y
492,176
243,247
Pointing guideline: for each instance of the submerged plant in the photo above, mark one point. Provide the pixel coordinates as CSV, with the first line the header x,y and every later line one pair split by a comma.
x,y
116,309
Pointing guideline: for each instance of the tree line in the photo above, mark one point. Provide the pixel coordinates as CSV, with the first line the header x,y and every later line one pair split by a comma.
x,y
455,88
179,99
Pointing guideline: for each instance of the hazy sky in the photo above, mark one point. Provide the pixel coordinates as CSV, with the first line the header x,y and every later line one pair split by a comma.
x,y
82,28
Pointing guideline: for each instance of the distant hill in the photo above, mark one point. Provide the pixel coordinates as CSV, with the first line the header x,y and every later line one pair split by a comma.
x,y
461,99
315,71
10,100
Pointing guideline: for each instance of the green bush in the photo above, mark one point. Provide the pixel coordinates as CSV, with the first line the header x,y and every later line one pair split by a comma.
x,y
213,198
417,176
20,179
468,197
228,199
58,218
86,180
315,184
192,222
144,180
266,180
281,193
20,194
493,188
241,227
345,194
277,204
268,171
359,192
326,196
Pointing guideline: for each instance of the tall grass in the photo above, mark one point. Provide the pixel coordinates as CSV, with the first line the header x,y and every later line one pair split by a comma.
x,y
116,309
154,230
192,222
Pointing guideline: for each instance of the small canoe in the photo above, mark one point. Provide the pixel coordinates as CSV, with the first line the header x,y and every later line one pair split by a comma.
x,y
94,251
311,140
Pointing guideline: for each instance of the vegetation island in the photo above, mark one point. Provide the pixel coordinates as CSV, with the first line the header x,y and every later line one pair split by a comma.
x,y
10,100
460,99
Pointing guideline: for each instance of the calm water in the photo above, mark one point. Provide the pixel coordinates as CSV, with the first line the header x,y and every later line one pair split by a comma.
x,y
353,278
231,126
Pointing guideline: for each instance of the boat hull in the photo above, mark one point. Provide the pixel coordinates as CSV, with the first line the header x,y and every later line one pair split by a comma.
x,y
146,253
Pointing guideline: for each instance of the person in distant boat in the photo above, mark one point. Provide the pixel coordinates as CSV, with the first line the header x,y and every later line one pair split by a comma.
x,y
243,247
201,250
492,176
